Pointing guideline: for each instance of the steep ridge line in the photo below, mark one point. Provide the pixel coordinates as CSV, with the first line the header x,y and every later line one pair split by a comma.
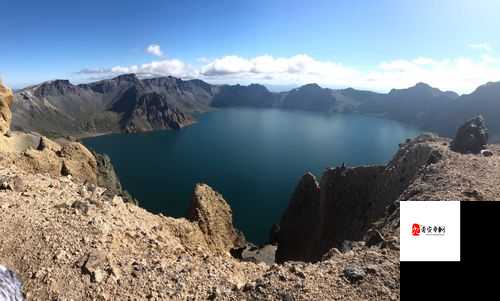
x,y
129,104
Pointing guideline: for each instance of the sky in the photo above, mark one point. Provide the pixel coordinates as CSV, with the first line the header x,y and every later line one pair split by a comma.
x,y
375,45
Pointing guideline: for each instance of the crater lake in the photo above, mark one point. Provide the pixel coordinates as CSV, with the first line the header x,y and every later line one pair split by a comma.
x,y
253,157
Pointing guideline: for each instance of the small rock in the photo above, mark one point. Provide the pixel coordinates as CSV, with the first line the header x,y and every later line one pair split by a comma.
x,y
5,186
93,265
354,273
486,153
374,238
59,255
287,297
473,194
82,206
213,294
346,246
434,157
372,269
248,286
97,276
331,253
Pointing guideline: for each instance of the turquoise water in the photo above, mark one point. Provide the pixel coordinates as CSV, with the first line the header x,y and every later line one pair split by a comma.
x,y
253,157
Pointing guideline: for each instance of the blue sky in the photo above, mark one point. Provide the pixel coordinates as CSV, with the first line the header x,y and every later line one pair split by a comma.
x,y
366,44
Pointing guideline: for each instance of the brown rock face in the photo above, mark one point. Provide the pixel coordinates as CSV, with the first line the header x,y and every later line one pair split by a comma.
x,y
79,161
347,201
6,99
214,217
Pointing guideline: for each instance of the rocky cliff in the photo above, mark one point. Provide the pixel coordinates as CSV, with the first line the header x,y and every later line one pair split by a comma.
x,y
348,201
214,217
345,202
122,104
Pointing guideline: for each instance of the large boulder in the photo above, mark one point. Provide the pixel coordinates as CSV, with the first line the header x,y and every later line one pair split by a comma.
x,y
471,137
214,217
6,99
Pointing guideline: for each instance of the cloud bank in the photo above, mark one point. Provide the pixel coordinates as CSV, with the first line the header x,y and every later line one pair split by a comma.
x,y
460,74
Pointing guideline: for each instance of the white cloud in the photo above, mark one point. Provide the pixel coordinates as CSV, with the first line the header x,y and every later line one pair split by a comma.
x,y
482,46
172,67
154,49
460,74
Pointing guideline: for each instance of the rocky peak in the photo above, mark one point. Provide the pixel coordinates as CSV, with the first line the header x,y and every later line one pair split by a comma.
x,y
299,231
128,77
311,86
310,97
419,90
471,137
55,88
152,110
6,99
213,215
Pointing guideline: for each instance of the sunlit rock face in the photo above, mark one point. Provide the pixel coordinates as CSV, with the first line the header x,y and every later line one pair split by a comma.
x,y
6,99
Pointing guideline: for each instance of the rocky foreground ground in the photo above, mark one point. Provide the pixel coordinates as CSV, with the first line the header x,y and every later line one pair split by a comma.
x,y
69,242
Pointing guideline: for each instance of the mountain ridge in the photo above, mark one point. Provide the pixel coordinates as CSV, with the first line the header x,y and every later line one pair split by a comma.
x,y
59,107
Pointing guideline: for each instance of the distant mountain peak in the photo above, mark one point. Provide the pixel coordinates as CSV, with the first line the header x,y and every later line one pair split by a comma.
x,y
53,87
127,77
490,88
310,86
57,82
422,89
422,85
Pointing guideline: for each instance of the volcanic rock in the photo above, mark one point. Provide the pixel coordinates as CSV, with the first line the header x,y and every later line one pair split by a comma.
x,y
299,231
471,137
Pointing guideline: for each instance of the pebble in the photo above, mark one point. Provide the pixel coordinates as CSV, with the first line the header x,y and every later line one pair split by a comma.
x,y
354,273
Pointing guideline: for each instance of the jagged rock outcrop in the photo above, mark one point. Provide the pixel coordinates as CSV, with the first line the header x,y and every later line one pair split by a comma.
x,y
6,99
152,111
348,200
471,137
213,215
106,174
299,234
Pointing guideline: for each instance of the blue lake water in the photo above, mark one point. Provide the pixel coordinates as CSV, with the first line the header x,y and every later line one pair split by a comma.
x,y
254,157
